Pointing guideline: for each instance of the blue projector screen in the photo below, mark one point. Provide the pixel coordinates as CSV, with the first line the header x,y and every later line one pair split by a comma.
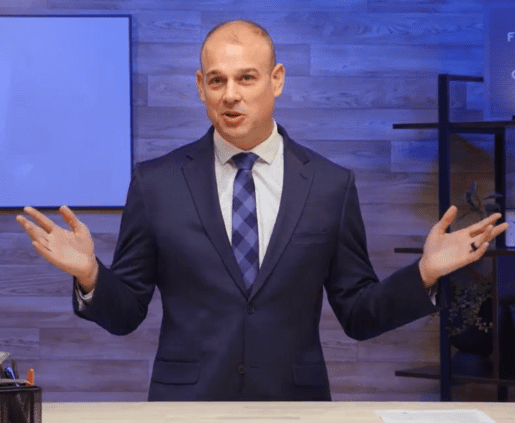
x,y
65,111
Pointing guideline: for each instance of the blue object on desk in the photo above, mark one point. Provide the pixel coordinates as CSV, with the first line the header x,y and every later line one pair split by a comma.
x,y
9,372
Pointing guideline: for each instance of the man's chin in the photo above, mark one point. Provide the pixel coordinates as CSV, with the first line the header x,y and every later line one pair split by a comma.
x,y
235,136
242,137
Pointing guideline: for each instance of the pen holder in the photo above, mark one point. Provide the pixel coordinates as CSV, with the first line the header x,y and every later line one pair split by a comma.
x,y
20,404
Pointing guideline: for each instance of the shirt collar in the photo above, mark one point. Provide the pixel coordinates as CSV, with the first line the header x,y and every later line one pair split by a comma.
x,y
265,150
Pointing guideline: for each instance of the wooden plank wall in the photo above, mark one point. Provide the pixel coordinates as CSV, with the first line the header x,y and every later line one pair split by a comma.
x,y
354,68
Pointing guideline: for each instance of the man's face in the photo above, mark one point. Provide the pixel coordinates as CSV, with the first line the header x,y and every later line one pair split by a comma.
x,y
238,86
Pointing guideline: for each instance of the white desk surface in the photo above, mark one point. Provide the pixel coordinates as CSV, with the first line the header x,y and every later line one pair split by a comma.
x,y
255,412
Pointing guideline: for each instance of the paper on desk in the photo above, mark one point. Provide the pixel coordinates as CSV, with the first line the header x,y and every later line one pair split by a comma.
x,y
3,356
433,416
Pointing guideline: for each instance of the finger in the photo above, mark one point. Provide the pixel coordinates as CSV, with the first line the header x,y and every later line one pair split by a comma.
x,y
485,236
499,229
21,220
24,223
69,217
34,231
479,227
44,222
447,218
476,255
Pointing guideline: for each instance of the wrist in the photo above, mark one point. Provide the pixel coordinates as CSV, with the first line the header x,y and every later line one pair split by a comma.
x,y
88,281
427,278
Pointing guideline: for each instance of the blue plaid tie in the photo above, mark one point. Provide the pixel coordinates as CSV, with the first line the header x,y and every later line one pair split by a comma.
x,y
245,242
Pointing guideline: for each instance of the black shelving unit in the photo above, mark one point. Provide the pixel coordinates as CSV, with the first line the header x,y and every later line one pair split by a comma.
x,y
445,129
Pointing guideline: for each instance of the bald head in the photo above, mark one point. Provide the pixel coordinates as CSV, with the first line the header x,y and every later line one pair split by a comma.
x,y
239,82
238,32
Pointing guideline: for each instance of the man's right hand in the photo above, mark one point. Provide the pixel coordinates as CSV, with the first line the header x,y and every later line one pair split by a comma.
x,y
70,250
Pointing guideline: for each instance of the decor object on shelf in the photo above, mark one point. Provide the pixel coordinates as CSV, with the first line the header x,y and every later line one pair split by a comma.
x,y
471,293
470,320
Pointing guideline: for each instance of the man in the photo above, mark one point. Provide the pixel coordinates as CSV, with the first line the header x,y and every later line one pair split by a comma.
x,y
242,246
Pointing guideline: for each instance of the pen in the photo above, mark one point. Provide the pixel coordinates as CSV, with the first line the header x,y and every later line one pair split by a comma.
x,y
10,374
30,377
15,369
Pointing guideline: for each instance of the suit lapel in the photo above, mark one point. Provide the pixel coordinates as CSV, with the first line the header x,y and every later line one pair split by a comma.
x,y
298,175
200,177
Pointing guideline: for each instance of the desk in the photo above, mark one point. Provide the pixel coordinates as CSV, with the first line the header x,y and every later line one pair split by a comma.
x,y
255,412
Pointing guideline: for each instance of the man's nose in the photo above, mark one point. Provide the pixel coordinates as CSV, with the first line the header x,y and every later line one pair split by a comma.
x,y
232,93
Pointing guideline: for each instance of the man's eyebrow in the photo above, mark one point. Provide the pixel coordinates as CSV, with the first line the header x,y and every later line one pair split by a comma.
x,y
248,70
216,72
213,72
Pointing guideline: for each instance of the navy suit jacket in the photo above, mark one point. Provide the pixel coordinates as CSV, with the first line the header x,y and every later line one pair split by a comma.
x,y
217,342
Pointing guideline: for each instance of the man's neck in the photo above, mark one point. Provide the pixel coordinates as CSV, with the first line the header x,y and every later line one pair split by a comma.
x,y
249,144
265,149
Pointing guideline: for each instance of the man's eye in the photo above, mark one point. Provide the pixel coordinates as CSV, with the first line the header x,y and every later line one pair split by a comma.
x,y
215,81
247,77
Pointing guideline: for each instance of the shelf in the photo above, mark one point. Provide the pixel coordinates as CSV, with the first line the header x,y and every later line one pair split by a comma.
x,y
433,372
494,252
445,129
460,126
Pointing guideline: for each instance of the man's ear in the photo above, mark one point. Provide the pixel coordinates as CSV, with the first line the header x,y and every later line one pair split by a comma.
x,y
278,74
200,86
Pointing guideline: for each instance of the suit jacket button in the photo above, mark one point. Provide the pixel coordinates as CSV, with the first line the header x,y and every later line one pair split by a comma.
x,y
250,308
241,369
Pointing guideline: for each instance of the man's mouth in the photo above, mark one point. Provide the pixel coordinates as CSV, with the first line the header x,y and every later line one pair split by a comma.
x,y
232,114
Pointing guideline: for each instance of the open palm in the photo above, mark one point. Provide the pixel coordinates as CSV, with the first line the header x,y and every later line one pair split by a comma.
x,y
70,250
446,252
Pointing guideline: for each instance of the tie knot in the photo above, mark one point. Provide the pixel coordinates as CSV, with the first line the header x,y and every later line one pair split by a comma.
x,y
245,160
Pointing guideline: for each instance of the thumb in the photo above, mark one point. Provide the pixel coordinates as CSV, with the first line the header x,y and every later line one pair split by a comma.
x,y
447,219
69,217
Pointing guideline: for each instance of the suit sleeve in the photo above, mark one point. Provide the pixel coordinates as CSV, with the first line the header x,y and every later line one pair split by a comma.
x,y
122,293
364,306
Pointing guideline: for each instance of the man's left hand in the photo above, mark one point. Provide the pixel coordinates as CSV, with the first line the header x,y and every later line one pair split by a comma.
x,y
446,252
